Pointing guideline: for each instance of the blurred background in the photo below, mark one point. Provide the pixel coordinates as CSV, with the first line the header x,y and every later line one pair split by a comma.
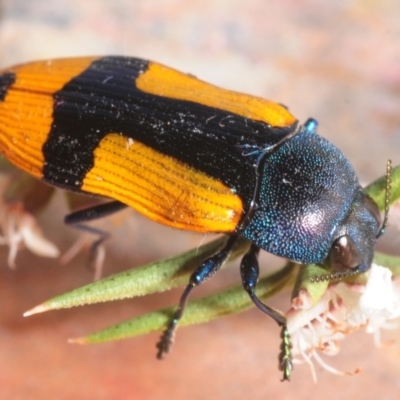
x,y
336,61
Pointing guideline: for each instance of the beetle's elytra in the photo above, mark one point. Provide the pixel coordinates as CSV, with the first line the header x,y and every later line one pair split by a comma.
x,y
192,156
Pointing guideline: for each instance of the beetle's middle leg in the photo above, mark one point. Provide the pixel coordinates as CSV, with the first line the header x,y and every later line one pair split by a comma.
x,y
206,270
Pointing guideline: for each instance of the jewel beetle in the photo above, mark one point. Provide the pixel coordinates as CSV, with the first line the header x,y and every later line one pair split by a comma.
x,y
189,155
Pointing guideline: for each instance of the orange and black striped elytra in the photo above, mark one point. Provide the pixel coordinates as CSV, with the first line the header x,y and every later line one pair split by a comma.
x,y
141,132
189,155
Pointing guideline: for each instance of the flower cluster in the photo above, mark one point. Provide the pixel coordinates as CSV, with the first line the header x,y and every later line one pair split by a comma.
x,y
342,309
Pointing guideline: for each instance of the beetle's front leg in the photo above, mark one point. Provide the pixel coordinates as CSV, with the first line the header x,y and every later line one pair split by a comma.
x,y
249,271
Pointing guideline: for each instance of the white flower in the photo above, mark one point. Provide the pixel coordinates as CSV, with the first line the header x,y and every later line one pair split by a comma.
x,y
342,309
20,229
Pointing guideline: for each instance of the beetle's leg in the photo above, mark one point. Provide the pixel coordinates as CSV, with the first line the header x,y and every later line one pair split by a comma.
x,y
206,270
89,214
249,271
95,212
77,219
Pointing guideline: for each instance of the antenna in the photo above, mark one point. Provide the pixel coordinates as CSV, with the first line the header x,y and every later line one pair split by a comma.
x,y
387,197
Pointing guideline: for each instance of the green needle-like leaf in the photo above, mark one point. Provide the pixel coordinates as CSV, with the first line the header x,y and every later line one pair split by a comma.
x,y
229,301
151,278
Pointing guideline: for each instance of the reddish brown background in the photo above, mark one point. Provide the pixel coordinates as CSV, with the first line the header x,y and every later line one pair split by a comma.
x,y
337,61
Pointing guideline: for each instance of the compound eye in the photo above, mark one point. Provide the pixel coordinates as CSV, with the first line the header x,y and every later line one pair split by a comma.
x,y
344,254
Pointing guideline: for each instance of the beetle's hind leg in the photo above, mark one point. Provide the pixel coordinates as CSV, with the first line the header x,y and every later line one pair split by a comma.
x,y
206,270
249,271
79,218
